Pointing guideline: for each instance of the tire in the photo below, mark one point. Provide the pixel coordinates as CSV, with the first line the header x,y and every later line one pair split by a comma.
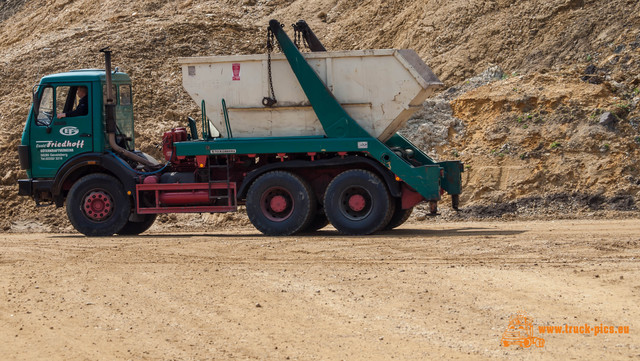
x,y
399,216
357,202
97,205
318,222
280,203
527,343
134,228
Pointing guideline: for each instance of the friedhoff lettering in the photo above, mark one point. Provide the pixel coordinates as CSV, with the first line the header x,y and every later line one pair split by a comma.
x,y
54,144
56,151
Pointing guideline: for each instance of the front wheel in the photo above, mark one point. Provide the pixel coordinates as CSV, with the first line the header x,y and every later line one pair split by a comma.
x,y
97,205
280,203
357,202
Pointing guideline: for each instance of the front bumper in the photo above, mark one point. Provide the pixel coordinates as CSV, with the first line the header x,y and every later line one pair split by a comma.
x,y
31,187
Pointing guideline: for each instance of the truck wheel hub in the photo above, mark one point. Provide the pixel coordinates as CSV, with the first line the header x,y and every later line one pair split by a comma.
x,y
97,205
278,204
357,202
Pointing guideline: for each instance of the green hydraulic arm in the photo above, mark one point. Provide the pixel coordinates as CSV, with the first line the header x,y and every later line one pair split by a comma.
x,y
426,179
334,119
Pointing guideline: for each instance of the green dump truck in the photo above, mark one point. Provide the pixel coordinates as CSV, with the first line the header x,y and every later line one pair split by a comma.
x,y
325,150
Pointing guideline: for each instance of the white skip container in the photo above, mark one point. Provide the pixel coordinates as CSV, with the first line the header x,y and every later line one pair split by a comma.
x,y
380,89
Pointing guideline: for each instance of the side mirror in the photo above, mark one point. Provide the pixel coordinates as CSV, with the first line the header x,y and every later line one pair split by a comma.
x,y
36,102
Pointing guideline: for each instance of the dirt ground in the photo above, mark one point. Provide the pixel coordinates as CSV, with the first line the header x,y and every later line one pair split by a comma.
x,y
423,291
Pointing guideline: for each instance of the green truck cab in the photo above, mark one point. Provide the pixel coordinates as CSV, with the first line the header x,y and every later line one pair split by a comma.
x,y
55,150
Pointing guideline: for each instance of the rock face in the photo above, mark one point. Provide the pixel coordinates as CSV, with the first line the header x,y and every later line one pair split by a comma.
x,y
607,118
534,144
532,131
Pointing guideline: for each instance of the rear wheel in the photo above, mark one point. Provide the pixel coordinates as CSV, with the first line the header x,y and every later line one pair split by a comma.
x,y
357,202
133,228
97,205
399,216
280,203
318,222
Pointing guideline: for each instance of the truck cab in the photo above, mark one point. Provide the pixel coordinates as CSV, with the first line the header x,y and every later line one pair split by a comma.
x,y
53,141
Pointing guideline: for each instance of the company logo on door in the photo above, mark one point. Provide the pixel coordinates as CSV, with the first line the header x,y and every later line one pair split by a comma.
x,y
69,131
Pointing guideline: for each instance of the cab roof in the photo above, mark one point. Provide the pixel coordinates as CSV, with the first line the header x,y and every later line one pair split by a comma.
x,y
84,75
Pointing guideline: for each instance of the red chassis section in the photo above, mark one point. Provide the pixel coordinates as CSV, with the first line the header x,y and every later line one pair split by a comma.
x,y
185,193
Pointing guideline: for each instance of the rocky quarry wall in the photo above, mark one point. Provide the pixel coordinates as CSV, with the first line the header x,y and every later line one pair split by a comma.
x,y
541,102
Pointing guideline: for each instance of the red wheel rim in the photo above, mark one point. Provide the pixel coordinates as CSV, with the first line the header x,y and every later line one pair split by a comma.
x,y
97,205
276,204
356,203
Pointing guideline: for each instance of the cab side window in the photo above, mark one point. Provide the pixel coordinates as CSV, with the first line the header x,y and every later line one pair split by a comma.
x,y
125,95
104,93
45,108
72,101
63,99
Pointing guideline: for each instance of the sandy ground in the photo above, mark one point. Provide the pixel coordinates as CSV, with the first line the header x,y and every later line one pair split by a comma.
x,y
420,292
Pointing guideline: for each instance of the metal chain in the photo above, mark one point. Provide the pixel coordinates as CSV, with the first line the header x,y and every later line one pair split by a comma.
x,y
299,37
269,101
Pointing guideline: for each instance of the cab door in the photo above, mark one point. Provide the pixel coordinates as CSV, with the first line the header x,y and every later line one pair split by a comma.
x,y
56,140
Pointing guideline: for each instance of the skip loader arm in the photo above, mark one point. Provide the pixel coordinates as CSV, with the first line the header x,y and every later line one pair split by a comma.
x,y
427,178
